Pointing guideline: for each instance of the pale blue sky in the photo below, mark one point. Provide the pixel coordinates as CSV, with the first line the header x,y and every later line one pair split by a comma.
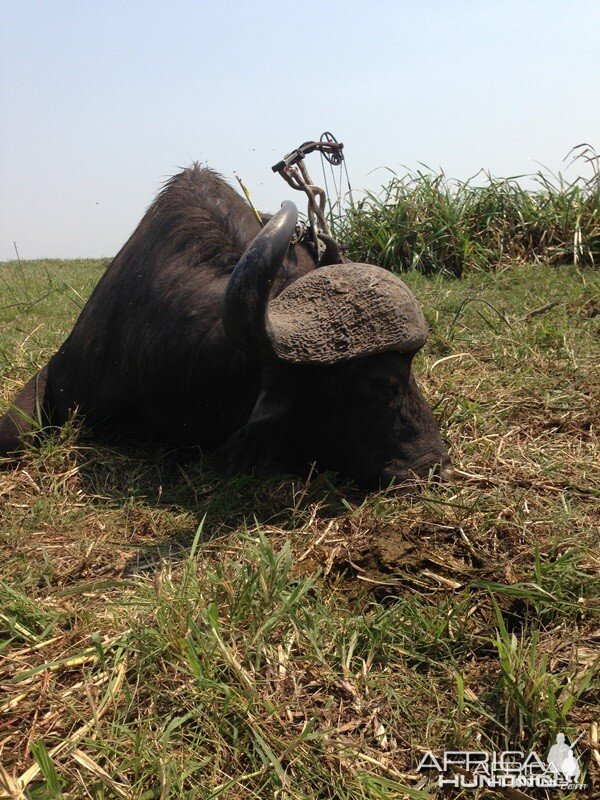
x,y
101,101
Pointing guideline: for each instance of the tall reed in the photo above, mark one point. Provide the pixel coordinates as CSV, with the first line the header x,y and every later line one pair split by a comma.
x,y
423,220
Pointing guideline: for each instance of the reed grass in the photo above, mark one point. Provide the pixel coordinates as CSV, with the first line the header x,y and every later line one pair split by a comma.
x,y
425,221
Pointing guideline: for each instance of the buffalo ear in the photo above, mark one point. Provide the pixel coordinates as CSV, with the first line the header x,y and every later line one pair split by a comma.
x,y
256,444
262,441
240,453
270,407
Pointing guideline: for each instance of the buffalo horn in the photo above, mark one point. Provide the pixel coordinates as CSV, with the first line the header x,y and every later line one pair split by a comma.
x,y
247,294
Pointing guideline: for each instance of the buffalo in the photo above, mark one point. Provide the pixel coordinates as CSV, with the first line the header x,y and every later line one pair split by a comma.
x,y
211,330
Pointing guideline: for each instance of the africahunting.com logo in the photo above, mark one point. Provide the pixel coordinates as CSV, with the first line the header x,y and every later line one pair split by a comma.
x,y
476,769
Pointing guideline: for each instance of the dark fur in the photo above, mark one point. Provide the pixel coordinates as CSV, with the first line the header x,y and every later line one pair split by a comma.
x,y
149,353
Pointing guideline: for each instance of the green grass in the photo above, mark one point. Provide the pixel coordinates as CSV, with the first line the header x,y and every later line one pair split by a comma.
x,y
427,222
165,633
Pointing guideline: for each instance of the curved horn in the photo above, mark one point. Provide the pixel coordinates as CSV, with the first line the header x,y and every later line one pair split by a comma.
x,y
332,251
247,294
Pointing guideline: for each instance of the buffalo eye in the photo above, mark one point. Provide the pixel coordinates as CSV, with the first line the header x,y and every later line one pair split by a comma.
x,y
383,387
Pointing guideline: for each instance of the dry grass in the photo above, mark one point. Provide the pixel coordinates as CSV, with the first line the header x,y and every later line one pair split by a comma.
x,y
167,634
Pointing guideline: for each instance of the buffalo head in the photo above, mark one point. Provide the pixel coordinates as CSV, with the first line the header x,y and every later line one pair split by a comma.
x,y
336,348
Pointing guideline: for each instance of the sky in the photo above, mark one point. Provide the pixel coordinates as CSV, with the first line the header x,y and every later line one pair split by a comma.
x,y
100,102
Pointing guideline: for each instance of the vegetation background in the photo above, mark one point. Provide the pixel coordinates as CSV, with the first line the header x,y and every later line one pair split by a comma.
x,y
424,221
165,633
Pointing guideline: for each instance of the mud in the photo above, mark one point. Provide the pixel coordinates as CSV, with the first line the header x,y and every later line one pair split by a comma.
x,y
376,554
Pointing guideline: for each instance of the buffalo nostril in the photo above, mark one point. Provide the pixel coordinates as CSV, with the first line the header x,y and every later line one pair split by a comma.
x,y
436,469
446,474
439,471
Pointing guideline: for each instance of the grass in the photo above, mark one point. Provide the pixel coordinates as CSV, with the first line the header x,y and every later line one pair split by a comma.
x,y
165,633
425,221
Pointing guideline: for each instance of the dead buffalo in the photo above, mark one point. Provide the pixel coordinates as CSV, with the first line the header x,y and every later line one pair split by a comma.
x,y
209,330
